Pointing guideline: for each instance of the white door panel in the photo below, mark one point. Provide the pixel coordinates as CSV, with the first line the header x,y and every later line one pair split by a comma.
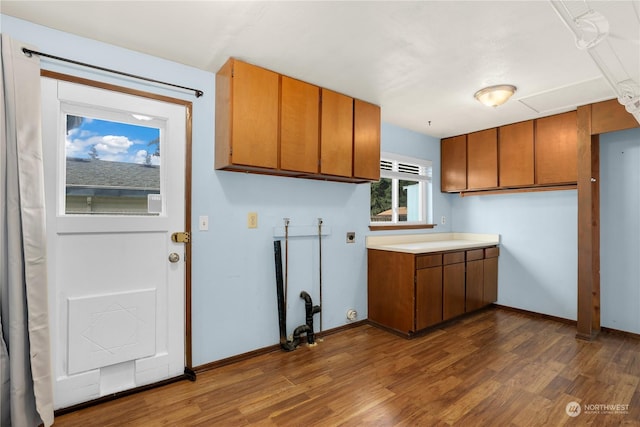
x,y
112,328
116,301
111,264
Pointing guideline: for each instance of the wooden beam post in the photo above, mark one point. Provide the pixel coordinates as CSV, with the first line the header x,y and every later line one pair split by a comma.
x,y
588,227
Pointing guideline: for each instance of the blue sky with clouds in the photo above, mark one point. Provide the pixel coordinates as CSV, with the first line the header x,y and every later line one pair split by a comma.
x,y
117,142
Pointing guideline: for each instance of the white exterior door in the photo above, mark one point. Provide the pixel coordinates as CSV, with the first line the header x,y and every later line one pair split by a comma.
x,y
115,192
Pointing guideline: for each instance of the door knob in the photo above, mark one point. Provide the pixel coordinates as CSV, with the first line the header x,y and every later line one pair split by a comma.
x,y
174,257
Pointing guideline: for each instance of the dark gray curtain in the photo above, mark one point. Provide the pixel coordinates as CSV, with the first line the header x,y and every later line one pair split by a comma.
x,y
25,374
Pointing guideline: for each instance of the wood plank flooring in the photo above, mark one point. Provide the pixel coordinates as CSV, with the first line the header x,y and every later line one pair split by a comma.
x,y
495,368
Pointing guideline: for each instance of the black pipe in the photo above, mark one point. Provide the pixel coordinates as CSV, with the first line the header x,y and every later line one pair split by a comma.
x,y
282,314
310,310
299,331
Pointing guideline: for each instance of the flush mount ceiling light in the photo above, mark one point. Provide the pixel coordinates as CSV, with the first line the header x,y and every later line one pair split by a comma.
x,y
493,96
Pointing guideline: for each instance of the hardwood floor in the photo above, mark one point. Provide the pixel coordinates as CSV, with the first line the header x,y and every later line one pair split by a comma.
x,y
495,368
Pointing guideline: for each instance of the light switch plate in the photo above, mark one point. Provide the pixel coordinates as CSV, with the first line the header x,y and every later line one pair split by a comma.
x,y
203,223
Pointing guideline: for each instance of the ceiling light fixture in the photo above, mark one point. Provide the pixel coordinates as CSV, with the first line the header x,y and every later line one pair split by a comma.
x,y
493,96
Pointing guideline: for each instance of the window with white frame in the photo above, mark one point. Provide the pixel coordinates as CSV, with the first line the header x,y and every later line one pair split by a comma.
x,y
403,193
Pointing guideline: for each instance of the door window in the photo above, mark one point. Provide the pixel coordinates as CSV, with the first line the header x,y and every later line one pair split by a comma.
x,y
112,167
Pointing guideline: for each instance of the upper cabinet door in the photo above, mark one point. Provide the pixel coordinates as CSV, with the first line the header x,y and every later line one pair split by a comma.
x,y
223,116
254,136
556,149
453,163
482,159
515,148
336,134
299,126
366,141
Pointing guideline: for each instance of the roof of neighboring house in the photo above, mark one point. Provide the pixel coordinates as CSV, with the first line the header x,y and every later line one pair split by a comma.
x,y
105,174
402,210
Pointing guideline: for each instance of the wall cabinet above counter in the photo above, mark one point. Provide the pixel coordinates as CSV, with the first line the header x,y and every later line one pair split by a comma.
x,y
273,124
535,154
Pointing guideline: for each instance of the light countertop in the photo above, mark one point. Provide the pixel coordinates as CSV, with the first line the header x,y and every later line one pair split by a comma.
x,y
432,242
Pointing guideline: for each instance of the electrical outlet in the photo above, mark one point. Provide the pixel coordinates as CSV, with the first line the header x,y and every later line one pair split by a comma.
x,y
351,236
252,220
443,220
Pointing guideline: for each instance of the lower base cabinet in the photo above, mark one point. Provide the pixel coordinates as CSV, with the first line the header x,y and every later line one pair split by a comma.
x,y
429,293
474,298
490,280
453,285
408,293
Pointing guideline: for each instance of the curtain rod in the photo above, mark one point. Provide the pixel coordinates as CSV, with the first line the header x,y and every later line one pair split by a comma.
x,y
29,52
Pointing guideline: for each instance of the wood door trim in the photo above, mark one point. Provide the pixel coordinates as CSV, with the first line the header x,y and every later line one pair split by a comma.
x,y
188,181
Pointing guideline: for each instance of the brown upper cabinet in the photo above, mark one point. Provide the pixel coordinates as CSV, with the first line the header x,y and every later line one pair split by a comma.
x,y
270,123
531,154
299,126
610,116
246,116
515,148
453,164
557,149
366,140
482,159
336,134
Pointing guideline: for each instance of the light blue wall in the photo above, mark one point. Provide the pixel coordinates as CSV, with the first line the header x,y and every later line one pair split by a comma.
x,y
537,268
233,275
620,230
233,284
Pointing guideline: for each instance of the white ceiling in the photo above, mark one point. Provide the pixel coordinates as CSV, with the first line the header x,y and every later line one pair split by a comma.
x,y
421,61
